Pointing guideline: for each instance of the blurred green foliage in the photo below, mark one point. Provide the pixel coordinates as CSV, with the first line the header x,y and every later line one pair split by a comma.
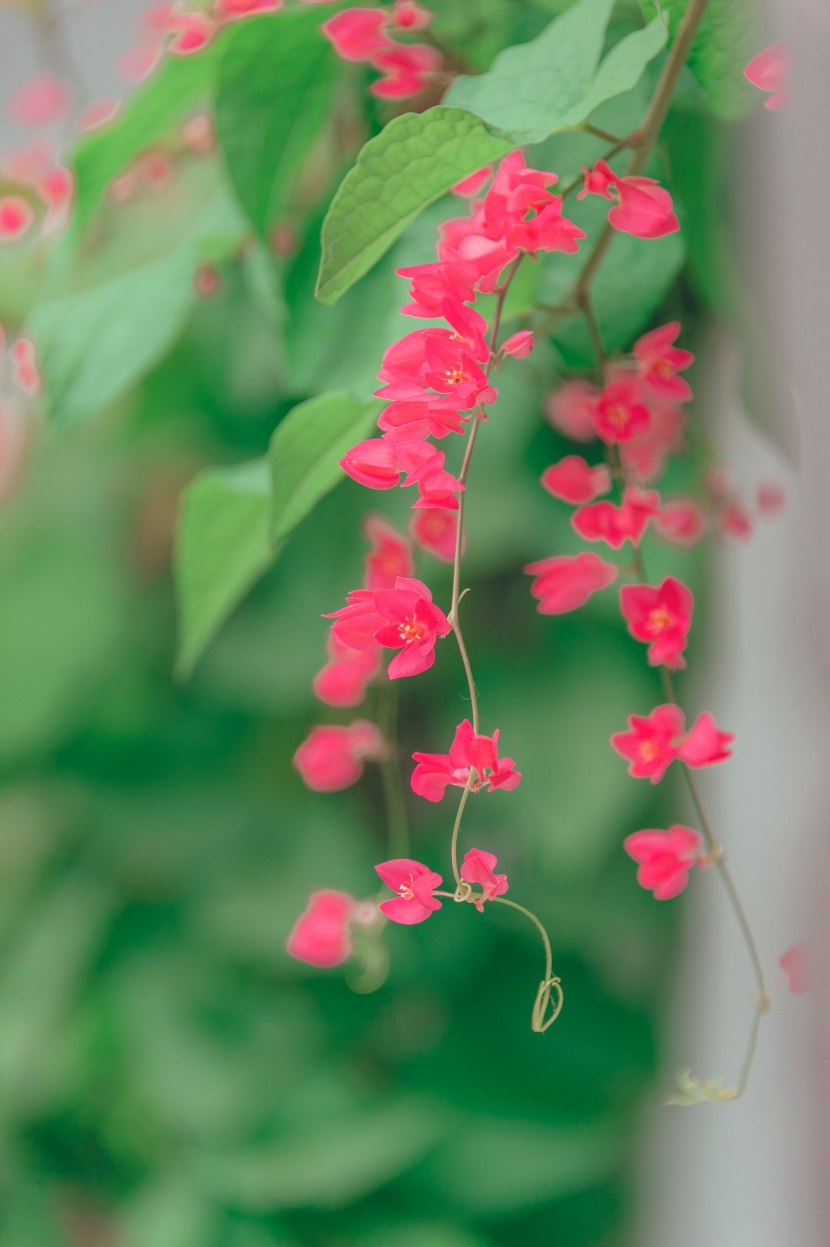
x,y
168,1077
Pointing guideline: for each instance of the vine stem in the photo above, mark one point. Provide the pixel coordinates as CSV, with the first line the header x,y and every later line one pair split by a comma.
x,y
650,130
541,1019
501,294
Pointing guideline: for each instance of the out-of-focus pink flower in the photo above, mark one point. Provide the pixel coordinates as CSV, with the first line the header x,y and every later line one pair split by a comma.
x,y
56,186
139,61
770,499
795,963
198,134
665,858
603,521
343,679
680,521
519,345
321,935
41,101
415,884
654,741
356,34
619,412
435,529
206,282
660,361
402,618
565,582
390,555
735,521
478,867
770,71
331,757
405,68
191,32
16,218
473,183
705,744
25,373
662,617
645,207
571,409
233,10
573,480
468,752
409,15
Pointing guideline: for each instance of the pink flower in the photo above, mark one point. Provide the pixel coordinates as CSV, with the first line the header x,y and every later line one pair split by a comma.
x,y
434,529
415,884
680,521
660,362
357,33
389,557
603,521
564,582
331,757
478,867
321,935
573,480
705,744
233,10
373,463
473,183
662,617
770,499
665,858
654,741
424,465
519,345
191,33
769,71
409,15
645,455
25,373
41,101
619,413
795,964
644,208
406,69
571,409
735,521
342,681
402,618
16,218
431,284
468,751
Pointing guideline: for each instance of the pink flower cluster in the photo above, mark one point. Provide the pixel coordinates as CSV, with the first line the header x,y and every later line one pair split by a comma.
x,y
415,885
436,380
368,36
472,762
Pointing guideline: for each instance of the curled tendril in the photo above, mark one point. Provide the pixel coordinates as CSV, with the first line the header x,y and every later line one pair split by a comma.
x,y
539,1022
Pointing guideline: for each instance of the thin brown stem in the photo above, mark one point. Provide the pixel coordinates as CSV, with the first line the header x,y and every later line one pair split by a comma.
x,y
541,1017
456,828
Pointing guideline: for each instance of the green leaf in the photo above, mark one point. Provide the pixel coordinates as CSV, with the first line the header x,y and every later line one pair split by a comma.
x,y
222,547
729,35
305,451
329,1162
495,1166
275,82
415,160
94,345
555,81
179,84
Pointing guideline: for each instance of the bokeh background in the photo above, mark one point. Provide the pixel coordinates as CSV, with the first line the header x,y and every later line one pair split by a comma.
x,y
168,1077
